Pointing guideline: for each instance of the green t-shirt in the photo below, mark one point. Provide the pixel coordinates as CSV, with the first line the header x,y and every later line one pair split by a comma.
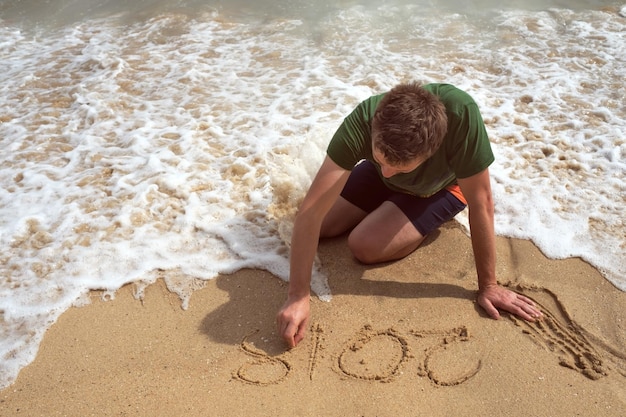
x,y
465,150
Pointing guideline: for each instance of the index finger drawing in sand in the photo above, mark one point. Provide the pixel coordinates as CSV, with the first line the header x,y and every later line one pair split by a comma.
x,y
399,166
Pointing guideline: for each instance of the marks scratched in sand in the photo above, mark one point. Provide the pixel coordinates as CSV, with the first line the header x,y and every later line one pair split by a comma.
x,y
264,370
446,357
575,347
372,355
461,363
361,358
318,344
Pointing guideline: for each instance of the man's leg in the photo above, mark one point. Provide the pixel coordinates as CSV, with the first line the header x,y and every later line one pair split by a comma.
x,y
362,194
343,216
385,225
386,234
398,226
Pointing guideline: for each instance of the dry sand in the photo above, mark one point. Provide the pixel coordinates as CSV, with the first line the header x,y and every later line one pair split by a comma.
x,y
400,339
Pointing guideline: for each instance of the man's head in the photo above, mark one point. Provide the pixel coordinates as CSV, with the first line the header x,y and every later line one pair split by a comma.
x,y
409,125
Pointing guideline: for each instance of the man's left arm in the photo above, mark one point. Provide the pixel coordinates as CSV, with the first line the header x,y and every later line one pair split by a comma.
x,y
491,296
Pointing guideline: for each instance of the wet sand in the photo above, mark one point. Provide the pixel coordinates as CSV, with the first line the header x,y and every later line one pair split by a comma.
x,y
399,339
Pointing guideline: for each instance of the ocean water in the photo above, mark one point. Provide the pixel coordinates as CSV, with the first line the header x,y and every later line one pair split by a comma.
x,y
180,136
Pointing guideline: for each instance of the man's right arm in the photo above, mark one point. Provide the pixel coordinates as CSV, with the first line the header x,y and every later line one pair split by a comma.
x,y
293,317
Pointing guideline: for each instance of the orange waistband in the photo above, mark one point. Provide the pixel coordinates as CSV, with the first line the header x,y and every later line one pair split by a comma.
x,y
456,191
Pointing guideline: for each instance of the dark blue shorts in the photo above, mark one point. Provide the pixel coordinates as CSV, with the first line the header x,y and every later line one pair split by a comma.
x,y
366,190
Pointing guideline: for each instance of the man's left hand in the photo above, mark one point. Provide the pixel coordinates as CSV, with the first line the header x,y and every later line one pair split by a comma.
x,y
496,297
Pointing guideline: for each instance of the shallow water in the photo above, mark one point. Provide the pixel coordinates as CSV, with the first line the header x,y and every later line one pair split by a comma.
x,y
180,136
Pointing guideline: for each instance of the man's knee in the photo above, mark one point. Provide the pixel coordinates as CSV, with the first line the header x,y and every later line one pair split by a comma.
x,y
370,248
363,248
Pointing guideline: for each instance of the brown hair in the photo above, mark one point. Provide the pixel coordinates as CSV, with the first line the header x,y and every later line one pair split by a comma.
x,y
409,123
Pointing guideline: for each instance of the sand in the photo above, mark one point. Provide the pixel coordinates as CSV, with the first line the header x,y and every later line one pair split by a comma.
x,y
399,339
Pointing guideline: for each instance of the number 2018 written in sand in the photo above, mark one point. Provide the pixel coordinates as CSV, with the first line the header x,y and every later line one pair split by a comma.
x,y
371,356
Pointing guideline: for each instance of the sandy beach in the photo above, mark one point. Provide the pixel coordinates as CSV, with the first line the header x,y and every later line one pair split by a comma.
x,y
400,339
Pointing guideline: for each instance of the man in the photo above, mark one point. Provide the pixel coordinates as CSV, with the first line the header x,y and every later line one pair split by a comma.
x,y
400,165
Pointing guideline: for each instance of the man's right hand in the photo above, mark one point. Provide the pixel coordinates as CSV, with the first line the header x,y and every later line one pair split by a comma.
x,y
293,320
293,317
